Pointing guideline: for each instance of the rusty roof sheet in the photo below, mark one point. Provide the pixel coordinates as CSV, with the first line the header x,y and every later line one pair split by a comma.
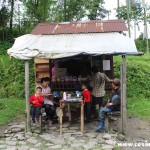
x,y
92,26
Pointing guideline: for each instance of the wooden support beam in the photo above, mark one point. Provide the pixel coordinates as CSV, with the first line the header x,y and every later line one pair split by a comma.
x,y
123,96
28,127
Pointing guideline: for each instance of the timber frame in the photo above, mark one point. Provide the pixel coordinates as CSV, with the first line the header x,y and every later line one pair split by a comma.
x,y
123,95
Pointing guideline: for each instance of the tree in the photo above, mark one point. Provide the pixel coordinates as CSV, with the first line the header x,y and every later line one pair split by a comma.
x,y
135,11
38,10
4,16
95,9
73,10
11,13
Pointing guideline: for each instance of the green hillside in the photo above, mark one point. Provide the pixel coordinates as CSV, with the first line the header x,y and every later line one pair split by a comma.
x,y
138,84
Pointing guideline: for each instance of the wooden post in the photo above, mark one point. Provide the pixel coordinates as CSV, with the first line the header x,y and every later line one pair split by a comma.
x,y
69,111
82,117
60,117
28,127
123,96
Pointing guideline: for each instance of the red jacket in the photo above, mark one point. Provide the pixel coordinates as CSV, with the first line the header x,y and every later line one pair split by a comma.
x,y
36,101
86,96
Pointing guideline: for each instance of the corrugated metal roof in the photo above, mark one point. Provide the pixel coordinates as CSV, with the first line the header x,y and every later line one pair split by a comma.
x,y
92,26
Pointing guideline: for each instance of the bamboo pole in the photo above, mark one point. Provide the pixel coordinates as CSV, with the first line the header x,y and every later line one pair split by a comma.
x,y
146,28
28,127
123,96
128,16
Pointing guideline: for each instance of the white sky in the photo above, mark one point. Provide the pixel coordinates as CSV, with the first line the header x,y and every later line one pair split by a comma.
x,y
112,4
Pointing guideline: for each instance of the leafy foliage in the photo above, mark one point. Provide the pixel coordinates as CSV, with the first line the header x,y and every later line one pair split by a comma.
x,y
138,76
136,11
12,77
4,16
141,45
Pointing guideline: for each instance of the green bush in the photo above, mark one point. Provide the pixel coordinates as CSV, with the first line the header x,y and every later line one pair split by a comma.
x,y
12,77
138,75
141,45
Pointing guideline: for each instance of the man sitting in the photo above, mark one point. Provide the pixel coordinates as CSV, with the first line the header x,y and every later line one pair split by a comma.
x,y
113,104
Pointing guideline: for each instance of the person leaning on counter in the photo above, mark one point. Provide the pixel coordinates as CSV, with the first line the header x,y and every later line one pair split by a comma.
x,y
97,82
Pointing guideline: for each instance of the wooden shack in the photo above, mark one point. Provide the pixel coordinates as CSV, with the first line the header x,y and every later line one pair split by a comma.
x,y
98,40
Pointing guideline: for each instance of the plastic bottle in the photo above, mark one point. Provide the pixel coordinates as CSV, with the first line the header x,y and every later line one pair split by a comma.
x,y
64,96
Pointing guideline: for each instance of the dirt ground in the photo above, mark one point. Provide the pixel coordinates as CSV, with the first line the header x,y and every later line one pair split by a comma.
x,y
138,128
19,118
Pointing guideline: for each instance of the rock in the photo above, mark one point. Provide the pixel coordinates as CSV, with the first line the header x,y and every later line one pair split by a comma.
x,y
28,135
33,149
106,136
8,138
110,142
6,131
49,144
121,137
71,138
11,143
16,130
56,147
90,145
38,144
77,145
53,128
107,147
9,135
67,135
11,148
2,146
65,125
59,140
94,140
24,148
21,138
22,143
35,134
73,128
91,135
32,141
71,131
81,141
101,141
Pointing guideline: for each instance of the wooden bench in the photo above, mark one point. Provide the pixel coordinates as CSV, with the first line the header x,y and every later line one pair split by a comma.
x,y
109,116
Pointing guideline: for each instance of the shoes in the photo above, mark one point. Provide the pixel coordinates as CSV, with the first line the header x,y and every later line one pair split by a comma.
x,y
101,127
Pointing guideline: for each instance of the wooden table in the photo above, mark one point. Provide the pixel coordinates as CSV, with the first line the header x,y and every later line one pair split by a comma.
x,y
69,102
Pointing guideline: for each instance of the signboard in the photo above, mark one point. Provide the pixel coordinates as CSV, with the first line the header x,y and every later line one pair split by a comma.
x,y
106,65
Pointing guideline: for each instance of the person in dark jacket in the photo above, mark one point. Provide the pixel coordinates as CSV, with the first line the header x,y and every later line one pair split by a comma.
x,y
113,104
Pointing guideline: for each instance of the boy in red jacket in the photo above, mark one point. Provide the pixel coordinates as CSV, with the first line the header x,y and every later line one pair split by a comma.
x,y
36,101
87,102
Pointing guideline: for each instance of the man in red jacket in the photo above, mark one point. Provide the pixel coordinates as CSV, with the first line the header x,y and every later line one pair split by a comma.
x,y
36,101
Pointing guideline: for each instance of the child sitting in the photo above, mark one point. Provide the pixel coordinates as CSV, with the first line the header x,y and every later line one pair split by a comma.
x,y
36,101
87,102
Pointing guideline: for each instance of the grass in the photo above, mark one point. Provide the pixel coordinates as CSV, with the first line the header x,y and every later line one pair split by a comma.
x,y
138,85
139,108
10,108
